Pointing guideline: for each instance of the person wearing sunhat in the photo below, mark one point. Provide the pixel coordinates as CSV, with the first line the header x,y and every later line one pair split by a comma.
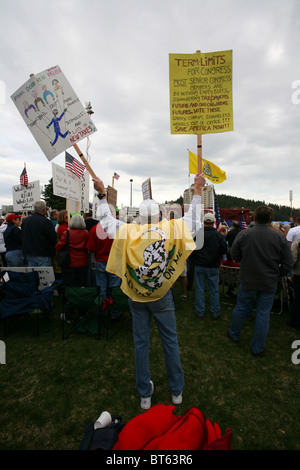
x,y
148,258
13,241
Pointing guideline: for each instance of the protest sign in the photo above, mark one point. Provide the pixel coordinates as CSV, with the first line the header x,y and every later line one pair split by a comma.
x,y
65,183
25,197
201,92
46,274
146,189
52,111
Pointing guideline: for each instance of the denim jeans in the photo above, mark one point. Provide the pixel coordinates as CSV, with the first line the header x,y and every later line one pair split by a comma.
x,y
163,310
38,261
212,276
244,305
104,280
14,258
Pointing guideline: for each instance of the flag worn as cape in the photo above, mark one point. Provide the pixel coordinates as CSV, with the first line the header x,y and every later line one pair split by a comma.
x,y
149,258
209,169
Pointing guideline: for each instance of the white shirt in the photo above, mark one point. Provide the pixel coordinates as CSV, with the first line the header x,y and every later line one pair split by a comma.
x,y
293,234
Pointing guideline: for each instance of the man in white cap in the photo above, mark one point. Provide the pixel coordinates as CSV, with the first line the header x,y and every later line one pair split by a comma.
x,y
149,257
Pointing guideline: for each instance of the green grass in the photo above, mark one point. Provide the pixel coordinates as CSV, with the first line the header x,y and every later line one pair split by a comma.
x,y
51,389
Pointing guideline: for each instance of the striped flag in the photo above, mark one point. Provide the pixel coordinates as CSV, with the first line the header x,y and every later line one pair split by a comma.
x,y
24,177
243,223
116,176
217,212
74,165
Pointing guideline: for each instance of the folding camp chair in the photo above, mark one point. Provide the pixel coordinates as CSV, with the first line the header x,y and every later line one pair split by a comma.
x,y
82,311
229,276
118,300
20,297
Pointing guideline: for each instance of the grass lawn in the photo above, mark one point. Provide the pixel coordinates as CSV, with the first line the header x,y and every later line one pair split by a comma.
x,y
51,389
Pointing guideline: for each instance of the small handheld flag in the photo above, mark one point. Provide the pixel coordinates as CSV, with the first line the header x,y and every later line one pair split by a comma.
x,y
74,165
24,177
116,176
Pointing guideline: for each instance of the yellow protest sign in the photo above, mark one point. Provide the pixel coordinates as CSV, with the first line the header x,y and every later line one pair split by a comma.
x,y
201,92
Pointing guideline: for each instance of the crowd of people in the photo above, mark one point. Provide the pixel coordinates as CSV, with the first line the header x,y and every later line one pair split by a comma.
x,y
146,258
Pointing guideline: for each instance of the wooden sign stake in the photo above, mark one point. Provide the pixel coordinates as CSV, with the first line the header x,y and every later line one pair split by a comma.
x,y
199,147
86,163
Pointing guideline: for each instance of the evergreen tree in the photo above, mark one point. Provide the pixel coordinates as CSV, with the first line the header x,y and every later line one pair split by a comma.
x,y
55,202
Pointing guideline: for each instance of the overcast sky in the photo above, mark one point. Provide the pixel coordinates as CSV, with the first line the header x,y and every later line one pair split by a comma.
x,y
115,54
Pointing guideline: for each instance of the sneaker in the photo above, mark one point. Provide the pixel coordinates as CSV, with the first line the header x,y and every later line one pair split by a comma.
x,y
177,400
146,401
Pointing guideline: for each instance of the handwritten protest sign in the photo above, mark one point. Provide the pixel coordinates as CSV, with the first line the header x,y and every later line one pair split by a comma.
x,y
146,189
25,197
201,92
46,274
65,183
52,111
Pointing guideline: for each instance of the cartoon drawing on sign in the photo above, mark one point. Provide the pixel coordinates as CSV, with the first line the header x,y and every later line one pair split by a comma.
x,y
27,107
57,87
37,100
55,122
46,93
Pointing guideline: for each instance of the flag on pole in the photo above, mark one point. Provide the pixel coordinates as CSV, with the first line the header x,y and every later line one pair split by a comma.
x,y
116,176
243,222
24,177
217,212
209,169
74,165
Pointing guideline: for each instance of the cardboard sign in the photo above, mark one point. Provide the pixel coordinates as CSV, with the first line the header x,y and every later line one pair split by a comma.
x,y
65,183
201,92
146,189
52,112
25,197
46,274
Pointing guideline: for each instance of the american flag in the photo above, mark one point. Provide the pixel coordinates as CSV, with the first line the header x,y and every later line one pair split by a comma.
x,y
74,165
24,177
116,176
217,212
243,223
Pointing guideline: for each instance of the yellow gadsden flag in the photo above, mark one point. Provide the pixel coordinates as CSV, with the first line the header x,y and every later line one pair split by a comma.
x,y
210,170
149,258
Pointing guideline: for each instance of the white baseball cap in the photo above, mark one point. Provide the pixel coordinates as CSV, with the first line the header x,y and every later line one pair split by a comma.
x,y
148,207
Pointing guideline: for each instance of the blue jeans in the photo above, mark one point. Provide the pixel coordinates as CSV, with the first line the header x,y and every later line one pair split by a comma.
x,y
212,276
104,280
38,261
244,305
163,310
14,258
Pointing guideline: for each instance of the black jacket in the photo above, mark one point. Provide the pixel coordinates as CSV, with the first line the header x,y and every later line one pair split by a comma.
x,y
38,236
214,247
12,238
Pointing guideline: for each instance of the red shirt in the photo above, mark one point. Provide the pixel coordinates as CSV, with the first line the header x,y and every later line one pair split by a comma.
x,y
99,243
78,246
61,228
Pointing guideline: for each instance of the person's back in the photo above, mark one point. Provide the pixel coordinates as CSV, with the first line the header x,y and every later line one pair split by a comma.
x,y
38,237
262,252
148,258
233,233
264,255
294,232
